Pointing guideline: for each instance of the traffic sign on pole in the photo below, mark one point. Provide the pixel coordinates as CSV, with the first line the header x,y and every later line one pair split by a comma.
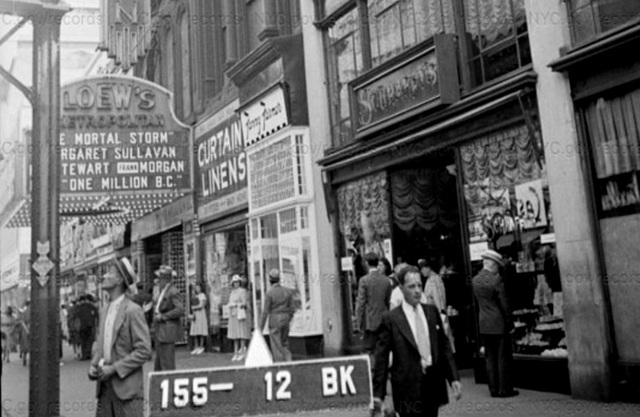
x,y
291,387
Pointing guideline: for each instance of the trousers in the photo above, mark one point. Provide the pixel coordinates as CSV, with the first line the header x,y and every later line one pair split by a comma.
x,y
499,357
165,357
279,337
109,405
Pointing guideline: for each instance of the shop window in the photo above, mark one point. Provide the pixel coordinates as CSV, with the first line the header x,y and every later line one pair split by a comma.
x,y
395,26
344,56
304,217
497,38
590,18
363,207
331,6
508,208
288,221
271,174
612,125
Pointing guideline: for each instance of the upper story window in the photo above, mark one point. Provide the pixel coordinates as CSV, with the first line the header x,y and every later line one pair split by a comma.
x,y
363,34
397,25
497,39
185,61
590,18
344,55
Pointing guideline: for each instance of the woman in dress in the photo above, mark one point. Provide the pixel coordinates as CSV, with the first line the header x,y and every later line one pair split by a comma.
x,y
199,326
239,330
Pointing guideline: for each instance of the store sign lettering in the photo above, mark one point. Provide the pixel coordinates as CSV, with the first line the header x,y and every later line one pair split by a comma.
x,y
267,115
119,134
412,85
619,195
221,161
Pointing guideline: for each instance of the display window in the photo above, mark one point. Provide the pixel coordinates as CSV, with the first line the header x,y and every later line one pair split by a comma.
x,y
613,135
508,210
282,240
225,255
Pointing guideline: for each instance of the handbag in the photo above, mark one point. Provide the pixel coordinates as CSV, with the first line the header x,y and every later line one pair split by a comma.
x,y
242,313
225,311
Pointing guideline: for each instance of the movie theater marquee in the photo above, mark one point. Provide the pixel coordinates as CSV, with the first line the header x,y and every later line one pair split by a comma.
x,y
120,137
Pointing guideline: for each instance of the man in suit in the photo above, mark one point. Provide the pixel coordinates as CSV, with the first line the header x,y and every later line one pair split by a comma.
x,y
494,325
280,307
86,312
167,315
422,357
374,293
122,347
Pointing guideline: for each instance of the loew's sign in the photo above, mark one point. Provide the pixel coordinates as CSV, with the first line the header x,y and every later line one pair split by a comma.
x,y
294,387
119,135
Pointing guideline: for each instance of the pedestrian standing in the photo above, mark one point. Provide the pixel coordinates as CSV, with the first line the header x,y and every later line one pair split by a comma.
x,y
8,325
374,294
122,348
279,307
199,327
167,322
238,329
86,312
495,324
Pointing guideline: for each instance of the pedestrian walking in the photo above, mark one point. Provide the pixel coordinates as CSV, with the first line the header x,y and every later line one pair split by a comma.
x,y
123,346
199,327
167,323
239,328
22,332
279,307
374,294
495,324
422,357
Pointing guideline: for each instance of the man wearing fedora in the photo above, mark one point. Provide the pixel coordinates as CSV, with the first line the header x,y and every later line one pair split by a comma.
x,y
279,306
494,324
122,347
167,315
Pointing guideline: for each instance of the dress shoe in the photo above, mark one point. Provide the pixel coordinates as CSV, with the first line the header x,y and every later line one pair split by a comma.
x,y
509,394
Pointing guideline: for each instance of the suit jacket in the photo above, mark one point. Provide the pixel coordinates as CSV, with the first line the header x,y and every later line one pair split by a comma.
x,y
374,293
395,336
278,300
169,330
494,314
131,348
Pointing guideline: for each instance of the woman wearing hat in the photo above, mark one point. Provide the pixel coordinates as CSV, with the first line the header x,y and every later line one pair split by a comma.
x,y
238,330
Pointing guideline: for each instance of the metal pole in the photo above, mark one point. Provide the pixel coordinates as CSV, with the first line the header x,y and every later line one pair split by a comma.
x,y
44,375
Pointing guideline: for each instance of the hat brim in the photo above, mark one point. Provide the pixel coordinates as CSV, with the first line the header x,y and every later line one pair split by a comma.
x,y
494,259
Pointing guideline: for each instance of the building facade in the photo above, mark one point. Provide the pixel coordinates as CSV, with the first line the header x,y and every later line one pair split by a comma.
x,y
447,127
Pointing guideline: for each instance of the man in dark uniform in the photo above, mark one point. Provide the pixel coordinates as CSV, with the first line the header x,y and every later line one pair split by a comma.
x,y
494,325
279,306
86,314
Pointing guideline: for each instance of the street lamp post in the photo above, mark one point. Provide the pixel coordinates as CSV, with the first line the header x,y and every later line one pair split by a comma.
x,y
44,95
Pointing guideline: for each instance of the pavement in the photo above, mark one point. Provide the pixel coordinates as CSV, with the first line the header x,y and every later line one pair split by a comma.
x,y
77,394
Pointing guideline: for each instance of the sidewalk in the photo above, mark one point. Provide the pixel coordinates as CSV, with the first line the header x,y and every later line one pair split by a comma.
x,y
77,394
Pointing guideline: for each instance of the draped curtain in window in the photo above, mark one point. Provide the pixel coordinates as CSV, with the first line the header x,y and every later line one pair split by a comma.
x,y
498,162
423,198
493,20
614,130
364,210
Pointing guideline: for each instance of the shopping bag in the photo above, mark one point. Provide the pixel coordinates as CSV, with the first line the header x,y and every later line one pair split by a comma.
x,y
242,313
226,311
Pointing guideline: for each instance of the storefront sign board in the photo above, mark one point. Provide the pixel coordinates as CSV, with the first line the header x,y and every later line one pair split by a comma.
x,y
264,116
420,80
221,163
292,388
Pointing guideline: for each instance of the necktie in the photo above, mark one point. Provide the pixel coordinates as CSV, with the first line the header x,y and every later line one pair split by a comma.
x,y
424,345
